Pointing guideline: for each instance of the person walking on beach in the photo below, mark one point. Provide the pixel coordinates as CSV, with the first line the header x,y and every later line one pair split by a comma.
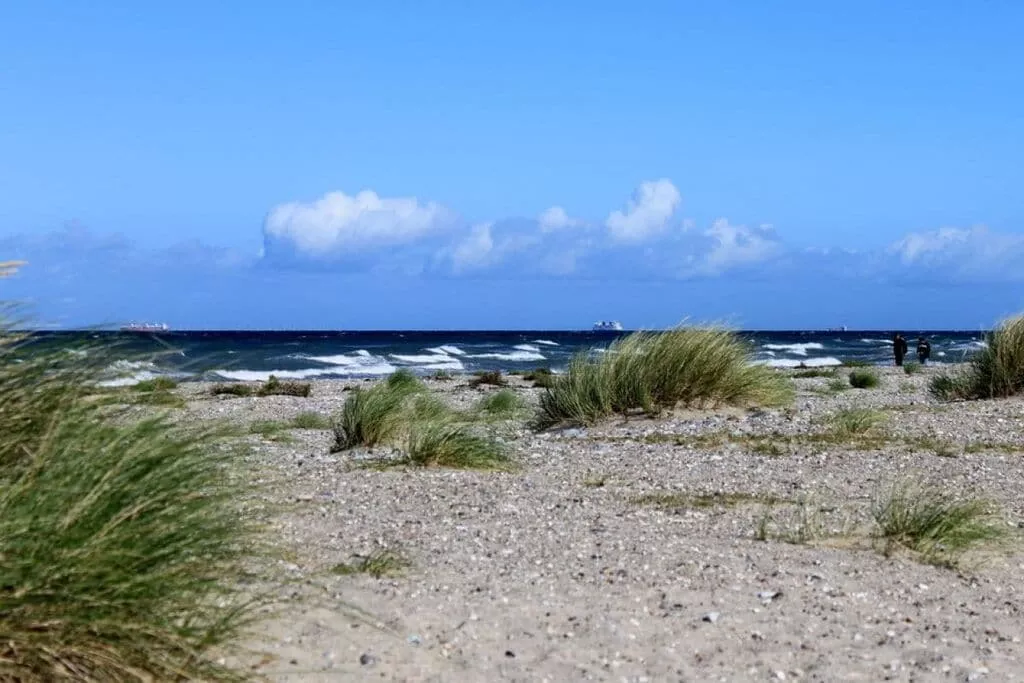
x,y
899,348
924,350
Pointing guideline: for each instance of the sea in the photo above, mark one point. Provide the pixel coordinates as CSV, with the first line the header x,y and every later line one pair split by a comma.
x,y
131,357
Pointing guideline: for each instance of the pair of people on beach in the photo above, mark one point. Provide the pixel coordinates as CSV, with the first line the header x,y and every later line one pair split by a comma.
x,y
899,349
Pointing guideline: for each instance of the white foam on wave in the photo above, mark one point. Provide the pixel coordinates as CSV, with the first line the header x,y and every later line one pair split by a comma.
x,y
515,356
877,341
827,361
546,342
433,361
526,347
447,349
130,380
126,373
796,349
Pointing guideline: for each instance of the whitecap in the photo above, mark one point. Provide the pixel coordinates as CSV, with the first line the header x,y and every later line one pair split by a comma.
x,y
877,341
796,349
306,373
447,349
434,361
515,356
526,347
129,380
546,342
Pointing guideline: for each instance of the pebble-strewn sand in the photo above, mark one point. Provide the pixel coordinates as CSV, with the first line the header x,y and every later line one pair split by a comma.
x,y
552,573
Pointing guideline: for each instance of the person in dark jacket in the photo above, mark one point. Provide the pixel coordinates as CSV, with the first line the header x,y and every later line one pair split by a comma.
x,y
899,348
924,350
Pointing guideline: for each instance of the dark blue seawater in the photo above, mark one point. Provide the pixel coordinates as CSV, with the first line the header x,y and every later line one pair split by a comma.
x,y
248,355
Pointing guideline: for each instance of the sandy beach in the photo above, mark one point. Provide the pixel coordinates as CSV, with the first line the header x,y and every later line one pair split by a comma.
x,y
705,545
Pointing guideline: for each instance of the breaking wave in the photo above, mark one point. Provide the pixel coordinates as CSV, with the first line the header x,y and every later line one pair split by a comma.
x,y
796,349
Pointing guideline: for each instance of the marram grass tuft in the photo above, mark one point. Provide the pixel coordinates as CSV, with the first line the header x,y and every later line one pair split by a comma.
x,y
656,371
121,545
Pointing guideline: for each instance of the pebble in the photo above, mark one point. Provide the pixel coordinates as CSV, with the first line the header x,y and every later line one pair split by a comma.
x,y
711,617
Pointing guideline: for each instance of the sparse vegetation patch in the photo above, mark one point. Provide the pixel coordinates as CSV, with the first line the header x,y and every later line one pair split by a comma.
x,y
493,378
935,524
377,564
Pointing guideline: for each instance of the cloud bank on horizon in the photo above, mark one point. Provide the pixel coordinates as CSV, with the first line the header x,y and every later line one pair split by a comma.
x,y
647,238
420,251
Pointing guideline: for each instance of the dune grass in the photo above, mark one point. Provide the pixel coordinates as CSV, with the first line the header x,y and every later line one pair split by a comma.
x,y
428,433
863,379
541,377
121,544
995,371
935,524
503,404
651,372
911,368
276,387
493,378
446,444
376,415
853,422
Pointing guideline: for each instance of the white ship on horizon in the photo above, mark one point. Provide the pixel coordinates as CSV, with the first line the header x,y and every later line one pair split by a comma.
x,y
607,326
145,327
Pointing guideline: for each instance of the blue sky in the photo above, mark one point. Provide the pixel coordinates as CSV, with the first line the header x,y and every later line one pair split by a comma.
x,y
513,164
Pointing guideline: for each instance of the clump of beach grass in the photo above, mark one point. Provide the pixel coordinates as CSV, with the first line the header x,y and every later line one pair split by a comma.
x,y
503,404
237,389
995,371
447,444
493,378
121,544
853,422
935,524
911,368
374,416
276,387
541,377
863,379
653,371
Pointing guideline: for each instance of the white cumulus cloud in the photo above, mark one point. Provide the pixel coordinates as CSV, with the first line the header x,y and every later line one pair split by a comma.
x,y
475,251
974,253
648,212
554,219
737,245
339,223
